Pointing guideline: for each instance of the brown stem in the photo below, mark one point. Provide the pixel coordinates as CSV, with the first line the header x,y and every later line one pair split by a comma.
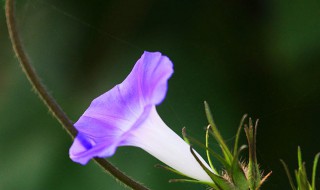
x,y
50,102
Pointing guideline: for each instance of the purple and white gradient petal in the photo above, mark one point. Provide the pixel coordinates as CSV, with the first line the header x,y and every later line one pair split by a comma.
x,y
126,116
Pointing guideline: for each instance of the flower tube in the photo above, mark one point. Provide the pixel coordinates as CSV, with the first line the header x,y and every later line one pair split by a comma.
x,y
126,116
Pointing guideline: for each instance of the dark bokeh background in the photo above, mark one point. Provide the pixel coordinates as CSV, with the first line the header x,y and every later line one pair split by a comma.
x,y
242,56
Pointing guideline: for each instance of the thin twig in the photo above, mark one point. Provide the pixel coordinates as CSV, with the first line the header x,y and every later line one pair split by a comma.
x,y
50,102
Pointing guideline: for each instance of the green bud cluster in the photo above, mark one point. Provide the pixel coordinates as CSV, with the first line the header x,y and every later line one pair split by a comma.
x,y
235,174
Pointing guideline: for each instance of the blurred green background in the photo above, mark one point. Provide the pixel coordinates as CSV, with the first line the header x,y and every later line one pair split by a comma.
x,y
257,57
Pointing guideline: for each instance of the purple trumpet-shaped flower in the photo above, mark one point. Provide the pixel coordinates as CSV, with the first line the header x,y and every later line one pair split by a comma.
x,y
126,116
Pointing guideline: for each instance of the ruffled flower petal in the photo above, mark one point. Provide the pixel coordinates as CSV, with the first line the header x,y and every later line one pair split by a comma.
x,y
103,125
126,116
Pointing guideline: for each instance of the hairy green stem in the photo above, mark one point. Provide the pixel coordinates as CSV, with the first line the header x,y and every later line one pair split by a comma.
x,y
51,103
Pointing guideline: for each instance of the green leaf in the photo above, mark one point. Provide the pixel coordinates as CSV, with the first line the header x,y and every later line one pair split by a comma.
x,y
170,169
184,135
299,158
225,150
213,153
219,181
184,180
288,174
208,152
301,174
193,181
235,149
314,170
237,174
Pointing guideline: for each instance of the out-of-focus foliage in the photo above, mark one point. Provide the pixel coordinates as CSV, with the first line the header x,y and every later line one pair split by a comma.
x,y
256,57
301,181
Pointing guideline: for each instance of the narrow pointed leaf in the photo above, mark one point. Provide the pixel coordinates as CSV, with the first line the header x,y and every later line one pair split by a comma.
x,y
314,170
288,174
301,177
301,174
304,178
217,134
183,181
170,169
299,158
235,149
192,181
184,135
298,179
220,182
207,151
225,164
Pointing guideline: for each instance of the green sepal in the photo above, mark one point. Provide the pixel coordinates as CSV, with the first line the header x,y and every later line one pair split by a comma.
x,y
208,152
193,181
219,182
215,132
225,164
237,174
179,173
236,142
170,169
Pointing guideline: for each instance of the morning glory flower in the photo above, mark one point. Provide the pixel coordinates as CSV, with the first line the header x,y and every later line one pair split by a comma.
x,y
126,116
